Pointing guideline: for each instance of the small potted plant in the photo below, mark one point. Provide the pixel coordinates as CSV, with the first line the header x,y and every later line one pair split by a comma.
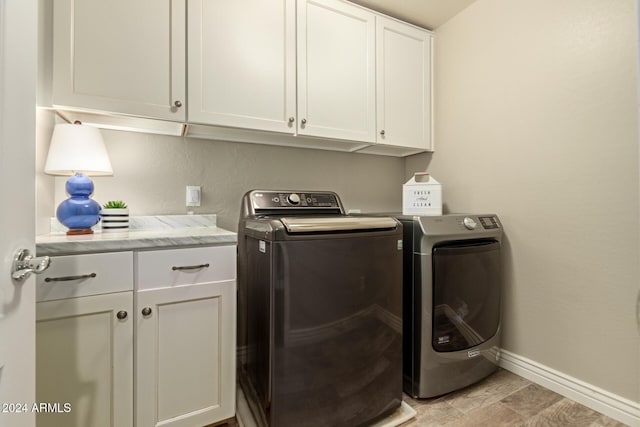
x,y
115,216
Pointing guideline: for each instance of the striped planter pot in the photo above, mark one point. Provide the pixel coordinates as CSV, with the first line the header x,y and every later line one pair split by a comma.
x,y
114,219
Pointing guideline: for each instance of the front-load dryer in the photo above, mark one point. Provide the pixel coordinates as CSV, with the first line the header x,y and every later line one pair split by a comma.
x,y
451,301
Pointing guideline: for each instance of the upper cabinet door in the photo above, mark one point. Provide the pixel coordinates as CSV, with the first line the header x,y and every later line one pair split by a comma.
x,y
403,85
124,56
336,70
242,64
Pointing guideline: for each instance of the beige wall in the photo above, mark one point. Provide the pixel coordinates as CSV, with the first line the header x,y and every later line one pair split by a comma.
x,y
45,208
536,120
151,172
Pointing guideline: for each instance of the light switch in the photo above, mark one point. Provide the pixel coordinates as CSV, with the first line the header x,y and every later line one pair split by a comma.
x,y
193,195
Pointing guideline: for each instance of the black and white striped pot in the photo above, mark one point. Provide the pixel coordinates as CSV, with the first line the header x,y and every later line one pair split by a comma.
x,y
114,219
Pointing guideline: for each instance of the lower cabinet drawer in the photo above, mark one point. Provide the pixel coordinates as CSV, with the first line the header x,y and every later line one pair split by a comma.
x,y
82,275
189,266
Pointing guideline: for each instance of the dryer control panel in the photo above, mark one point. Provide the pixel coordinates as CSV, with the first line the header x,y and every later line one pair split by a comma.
x,y
489,222
464,225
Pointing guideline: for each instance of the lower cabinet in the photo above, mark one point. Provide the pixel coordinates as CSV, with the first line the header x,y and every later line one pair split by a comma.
x,y
154,347
185,305
183,376
84,362
84,341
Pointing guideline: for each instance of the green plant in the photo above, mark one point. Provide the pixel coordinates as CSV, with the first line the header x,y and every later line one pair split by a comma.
x,y
115,204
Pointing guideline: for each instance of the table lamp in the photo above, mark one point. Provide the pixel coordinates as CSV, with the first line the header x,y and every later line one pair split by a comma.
x,y
79,151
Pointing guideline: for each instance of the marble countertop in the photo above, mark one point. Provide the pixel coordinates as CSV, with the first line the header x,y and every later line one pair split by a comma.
x,y
150,232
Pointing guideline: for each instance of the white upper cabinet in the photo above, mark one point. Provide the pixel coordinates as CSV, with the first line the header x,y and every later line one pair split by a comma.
x,y
242,64
122,56
403,54
323,74
336,70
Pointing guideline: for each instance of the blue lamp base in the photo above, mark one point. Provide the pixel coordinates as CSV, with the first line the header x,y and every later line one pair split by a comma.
x,y
79,213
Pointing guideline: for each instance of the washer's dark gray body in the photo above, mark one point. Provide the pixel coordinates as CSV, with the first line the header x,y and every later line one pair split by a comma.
x,y
319,311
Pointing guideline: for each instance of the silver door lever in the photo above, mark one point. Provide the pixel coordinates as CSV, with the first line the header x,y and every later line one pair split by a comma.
x,y
24,264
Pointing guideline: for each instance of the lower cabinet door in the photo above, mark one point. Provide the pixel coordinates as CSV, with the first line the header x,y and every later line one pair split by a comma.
x,y
185,355
84,361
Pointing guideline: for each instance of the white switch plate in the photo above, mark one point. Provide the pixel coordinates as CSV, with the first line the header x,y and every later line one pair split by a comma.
x,y
193,195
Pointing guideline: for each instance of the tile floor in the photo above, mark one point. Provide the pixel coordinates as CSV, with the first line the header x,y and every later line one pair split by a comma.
x,y
504,399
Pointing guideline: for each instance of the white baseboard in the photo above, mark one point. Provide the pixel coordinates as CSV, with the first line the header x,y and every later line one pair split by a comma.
x,y
614,406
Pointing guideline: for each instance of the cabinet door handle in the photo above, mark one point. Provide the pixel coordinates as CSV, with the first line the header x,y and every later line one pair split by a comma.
x,y
303,121
292,119
146,311
69,278
121,315
190,267
178,104
382,132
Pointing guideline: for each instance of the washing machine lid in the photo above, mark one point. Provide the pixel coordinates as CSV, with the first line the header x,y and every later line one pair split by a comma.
x,y
336,223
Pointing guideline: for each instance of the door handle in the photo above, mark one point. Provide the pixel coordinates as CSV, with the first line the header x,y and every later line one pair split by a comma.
x,y
24,264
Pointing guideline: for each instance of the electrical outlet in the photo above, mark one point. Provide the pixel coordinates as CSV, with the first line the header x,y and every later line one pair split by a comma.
x,y
193,195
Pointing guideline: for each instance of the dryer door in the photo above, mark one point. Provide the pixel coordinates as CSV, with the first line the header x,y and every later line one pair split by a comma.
x,y
466,294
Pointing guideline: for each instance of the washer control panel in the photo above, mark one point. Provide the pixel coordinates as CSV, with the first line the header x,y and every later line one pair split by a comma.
x,y
279,199
293,199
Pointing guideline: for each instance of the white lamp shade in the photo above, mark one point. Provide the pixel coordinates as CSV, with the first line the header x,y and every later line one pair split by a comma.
x,y
77,148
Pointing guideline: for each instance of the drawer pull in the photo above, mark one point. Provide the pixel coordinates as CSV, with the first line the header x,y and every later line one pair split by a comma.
x,y
68,278
190,267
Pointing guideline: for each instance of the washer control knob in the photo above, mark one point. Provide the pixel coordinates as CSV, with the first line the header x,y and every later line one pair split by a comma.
x,y
294,199
469,223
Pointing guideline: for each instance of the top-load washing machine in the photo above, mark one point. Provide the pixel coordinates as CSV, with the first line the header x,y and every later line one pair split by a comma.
x,y
319,311
451,301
